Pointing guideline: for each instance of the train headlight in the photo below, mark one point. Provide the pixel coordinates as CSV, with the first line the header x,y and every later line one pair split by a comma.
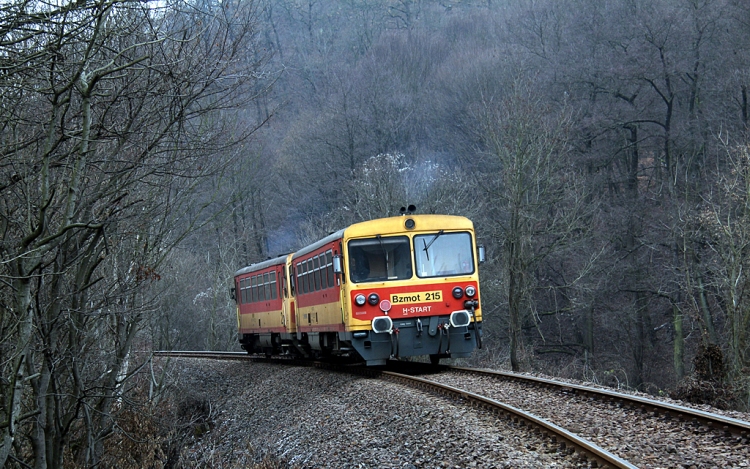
x,y
360,300
373,298
458,292
459,318
471,291
382,324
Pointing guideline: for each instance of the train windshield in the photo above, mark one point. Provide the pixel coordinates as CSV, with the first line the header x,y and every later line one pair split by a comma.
x,y
379,259
443,254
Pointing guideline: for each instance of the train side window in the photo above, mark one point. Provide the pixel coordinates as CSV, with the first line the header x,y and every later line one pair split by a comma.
x,y
245,287
297,280
241,296
273,285
266,287
306,278
301,275
316,272
293,282
310,280
254,289
323,272
329,267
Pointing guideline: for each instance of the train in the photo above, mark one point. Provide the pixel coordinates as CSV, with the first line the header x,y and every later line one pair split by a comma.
x,y
389,288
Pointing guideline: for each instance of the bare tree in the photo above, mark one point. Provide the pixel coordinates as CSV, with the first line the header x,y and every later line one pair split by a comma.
x,y
534,215
112,113
725,225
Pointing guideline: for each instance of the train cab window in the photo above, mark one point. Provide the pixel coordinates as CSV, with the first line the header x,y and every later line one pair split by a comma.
x,y
316,272
242,291
379,259
329,267
273,285
443,254
254,289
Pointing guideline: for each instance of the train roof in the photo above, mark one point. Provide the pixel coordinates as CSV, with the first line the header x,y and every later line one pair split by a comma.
x,y
384,226
262,265
318,244
395,225
391,225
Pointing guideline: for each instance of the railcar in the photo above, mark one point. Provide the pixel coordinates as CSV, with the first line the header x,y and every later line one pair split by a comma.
x,y
387,288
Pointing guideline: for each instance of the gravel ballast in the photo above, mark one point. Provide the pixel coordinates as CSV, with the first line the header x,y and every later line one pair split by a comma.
x,y
311,418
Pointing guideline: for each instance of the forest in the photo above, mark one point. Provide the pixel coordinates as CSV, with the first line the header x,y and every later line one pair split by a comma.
x,y
151,149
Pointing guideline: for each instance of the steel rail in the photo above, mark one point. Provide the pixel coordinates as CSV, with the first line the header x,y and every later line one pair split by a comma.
x,y
216,355
580,445
711,420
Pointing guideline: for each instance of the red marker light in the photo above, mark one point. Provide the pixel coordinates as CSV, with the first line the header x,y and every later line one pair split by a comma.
x,y
385,306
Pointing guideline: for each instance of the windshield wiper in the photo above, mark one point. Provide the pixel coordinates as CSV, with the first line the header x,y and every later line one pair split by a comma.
x,y
427,245
382,246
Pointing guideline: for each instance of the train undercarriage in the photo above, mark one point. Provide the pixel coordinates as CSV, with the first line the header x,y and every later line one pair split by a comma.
x,y
431,336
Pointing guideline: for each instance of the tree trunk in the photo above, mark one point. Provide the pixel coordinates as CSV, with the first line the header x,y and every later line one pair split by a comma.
x,y
588,336
679,344
708,319
14,394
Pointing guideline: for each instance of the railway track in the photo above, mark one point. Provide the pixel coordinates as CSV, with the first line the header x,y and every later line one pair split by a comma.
x,y
717,422
646,432
597,436
568,441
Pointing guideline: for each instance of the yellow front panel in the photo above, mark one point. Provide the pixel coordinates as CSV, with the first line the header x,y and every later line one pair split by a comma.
x,y
415,296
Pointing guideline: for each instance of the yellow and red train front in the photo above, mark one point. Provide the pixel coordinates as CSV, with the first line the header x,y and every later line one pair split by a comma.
x,y
412,287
